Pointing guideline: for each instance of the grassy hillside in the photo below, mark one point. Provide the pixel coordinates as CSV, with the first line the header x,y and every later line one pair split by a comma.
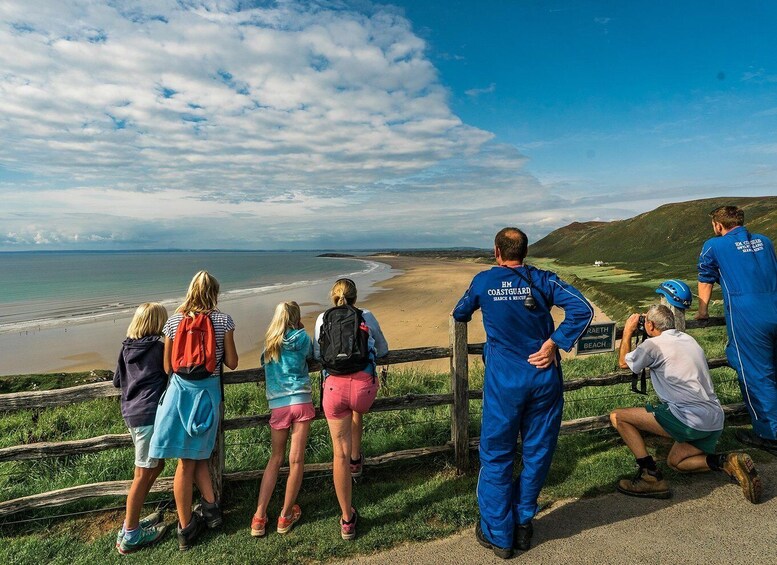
x,y
667,239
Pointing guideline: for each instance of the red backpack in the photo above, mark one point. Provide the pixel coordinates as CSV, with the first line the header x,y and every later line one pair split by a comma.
x,y
194,347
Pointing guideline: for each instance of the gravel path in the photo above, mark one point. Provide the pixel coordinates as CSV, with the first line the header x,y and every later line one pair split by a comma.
x,y
706,521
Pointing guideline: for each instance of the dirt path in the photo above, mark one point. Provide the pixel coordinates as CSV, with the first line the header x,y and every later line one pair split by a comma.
x,y
706,522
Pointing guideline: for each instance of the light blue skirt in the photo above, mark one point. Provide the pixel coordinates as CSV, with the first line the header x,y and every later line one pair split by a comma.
x,y
186,421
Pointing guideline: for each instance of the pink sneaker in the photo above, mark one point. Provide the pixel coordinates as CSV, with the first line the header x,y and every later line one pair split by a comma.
x,y
286,524
258,526
357,466
348,529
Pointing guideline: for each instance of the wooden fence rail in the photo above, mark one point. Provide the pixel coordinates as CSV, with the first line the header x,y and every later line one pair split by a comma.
x,y
460,445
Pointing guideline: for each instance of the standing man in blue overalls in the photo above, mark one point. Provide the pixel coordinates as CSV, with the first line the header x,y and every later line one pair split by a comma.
x,y
523,388
745,266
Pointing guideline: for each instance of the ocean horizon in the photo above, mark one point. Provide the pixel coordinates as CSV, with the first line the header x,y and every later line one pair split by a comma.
x,y
45,288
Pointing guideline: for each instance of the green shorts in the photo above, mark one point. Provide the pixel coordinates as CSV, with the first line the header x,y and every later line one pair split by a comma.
x,y
706,441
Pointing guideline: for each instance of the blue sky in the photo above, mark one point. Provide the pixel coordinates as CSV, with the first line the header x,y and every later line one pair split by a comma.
x,y
372,124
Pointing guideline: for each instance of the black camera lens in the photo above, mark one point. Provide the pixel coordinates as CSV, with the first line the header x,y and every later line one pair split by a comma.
x,y
641,324
530,303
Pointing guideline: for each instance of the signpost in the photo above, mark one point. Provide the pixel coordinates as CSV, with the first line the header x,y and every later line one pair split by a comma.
x,y
598,338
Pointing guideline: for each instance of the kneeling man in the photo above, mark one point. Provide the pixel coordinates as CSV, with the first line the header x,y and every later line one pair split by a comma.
x,y
689,411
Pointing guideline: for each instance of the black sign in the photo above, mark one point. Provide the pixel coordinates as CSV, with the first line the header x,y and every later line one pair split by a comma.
x,y
598,338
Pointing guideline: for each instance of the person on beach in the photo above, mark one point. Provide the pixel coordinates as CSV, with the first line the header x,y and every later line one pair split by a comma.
x,y
287,347
689,411
141,376
187,420
745,267
347,333
522,389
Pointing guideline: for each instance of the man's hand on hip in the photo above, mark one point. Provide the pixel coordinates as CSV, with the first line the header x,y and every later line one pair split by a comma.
x,y
546,356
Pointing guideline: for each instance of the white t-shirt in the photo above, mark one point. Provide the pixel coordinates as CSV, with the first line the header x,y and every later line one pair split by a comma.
x,y
222,323
681,378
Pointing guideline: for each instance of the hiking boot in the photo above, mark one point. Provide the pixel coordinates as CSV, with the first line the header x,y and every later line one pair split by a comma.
x,y
522,536
645,485
188,535
146,537
749,438
286,524
357,466
258,526
740,467
210,512
146,522
503,552
348,529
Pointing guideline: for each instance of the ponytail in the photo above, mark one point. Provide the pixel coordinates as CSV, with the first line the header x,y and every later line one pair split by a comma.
x,y
343,292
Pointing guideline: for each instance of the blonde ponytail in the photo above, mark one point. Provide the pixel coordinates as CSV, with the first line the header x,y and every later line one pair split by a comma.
x,y
343,292
286,317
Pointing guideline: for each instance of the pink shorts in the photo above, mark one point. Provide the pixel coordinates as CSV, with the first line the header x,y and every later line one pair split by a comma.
x,y
283,418
344,394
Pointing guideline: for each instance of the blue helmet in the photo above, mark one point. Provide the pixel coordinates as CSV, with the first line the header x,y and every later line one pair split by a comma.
x,y
676,293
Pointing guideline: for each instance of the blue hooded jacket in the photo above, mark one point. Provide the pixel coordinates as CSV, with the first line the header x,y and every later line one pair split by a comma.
x,y
287,380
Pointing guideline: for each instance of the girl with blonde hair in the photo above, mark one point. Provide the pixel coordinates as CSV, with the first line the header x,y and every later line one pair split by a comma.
x,y
188,417
287,347
346,397
141,376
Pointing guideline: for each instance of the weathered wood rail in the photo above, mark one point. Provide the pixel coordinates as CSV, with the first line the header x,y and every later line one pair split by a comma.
x,y
460,444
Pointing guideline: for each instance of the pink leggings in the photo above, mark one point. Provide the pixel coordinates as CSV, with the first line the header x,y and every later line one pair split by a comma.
x,y
344,394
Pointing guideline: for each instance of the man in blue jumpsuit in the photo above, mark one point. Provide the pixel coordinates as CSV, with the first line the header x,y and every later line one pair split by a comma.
x,y
745,266
522,392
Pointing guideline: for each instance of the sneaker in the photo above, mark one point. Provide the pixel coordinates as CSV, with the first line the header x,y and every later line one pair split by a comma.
x,y
188,535
357,466
522,536
210,512
348,529
644,485
146,522
749,438
146,537
503,552
740,467
258,526
286,524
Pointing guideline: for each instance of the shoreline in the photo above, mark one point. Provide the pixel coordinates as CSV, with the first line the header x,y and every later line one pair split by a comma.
x,y
410,296
92,343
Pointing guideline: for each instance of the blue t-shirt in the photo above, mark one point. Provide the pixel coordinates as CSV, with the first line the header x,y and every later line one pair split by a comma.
x,y
512,327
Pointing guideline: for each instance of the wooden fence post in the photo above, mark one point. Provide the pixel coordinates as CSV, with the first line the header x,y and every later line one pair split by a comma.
x,y
216,462
460,388
679,314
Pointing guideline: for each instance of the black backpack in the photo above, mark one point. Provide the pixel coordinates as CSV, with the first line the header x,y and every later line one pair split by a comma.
x,y
344,341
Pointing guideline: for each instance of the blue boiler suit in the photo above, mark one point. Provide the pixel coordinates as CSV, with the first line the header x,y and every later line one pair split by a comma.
x,y
745,266
518,398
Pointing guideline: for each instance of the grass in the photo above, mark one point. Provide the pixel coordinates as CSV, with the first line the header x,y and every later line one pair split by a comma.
x,y
413,501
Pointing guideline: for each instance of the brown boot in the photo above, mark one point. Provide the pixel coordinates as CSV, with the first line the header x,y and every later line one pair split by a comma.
x,y
645,484
740,467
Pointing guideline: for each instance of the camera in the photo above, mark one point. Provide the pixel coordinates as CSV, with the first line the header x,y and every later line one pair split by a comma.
x,y
641,324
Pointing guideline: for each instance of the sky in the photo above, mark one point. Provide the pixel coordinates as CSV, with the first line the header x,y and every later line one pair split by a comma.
x,y
368,124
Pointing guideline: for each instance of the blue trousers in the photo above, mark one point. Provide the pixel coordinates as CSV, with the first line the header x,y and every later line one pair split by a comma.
x,y
751,322
517,399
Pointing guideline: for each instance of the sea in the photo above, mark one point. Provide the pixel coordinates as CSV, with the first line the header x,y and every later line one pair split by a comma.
x,y
92,295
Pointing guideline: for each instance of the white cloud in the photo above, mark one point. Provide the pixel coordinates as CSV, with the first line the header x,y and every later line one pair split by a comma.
x,y
475,92
203,124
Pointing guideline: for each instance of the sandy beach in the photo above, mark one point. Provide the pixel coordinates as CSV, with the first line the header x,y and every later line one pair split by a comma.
x,y
412,306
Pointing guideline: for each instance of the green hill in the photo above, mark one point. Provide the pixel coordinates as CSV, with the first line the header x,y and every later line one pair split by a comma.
x,y
671,234
642,251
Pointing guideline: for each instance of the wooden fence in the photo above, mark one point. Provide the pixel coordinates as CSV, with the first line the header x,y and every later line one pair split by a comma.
x,y
459,398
